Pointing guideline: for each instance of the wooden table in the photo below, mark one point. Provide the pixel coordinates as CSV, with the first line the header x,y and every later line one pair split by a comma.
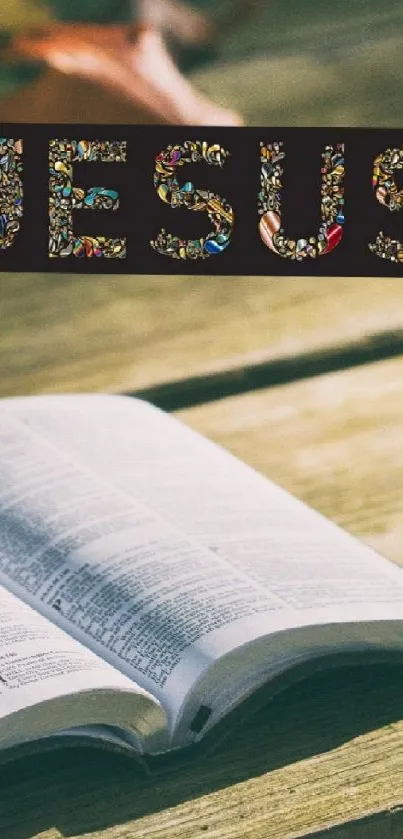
x,y
312,371
312,376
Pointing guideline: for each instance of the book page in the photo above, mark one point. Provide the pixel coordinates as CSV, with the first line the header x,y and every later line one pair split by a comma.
x,y
108,570
163,552
40,662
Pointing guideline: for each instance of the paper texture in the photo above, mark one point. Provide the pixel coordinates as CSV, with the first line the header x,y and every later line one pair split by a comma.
x,y
39,662
161,551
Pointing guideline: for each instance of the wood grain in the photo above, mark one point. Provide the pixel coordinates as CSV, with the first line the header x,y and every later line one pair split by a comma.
x,y
61,333
324,760
322,754
335,441
326,754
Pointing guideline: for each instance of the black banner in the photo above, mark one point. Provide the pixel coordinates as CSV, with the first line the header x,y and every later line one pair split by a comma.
x,y
209,201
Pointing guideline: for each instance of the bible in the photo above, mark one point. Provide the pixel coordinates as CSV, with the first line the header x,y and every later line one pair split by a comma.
x,y
154,589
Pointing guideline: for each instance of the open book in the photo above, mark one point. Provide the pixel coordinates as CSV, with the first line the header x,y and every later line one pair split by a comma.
x,y
151,583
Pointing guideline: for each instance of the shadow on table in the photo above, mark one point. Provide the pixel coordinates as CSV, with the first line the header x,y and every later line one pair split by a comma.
x,y
383,826
83,790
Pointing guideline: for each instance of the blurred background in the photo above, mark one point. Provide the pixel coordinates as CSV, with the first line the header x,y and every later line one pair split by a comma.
x,y
315,62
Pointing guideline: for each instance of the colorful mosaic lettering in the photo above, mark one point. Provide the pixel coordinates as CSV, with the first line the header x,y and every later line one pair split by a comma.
x,y
332,204
388,194
64,197
169,190
11,190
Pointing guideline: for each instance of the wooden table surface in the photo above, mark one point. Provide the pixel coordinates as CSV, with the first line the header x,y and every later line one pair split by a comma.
x,y
329,753
311,372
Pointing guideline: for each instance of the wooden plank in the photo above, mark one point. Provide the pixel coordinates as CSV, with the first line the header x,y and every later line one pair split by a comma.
x,y
335,441
386,825
326,754
320,755
249,374
63,333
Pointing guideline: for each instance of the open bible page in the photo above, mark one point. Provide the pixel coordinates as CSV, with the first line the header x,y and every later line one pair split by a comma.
x,y
253,561
108,570
225,505
39,663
